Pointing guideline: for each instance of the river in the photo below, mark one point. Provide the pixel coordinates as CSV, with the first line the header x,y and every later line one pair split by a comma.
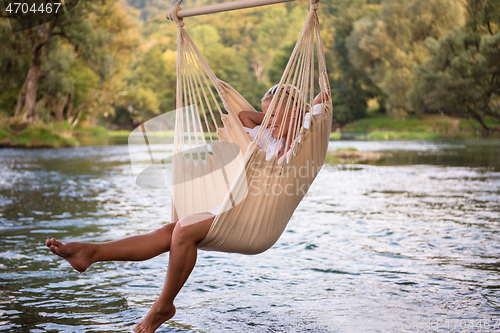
x,y
407,243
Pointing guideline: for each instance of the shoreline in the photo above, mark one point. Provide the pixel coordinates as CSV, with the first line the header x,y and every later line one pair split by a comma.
x,y
37,135
372,128
430,127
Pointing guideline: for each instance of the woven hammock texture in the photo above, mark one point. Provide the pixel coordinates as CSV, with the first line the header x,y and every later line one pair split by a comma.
x,y
257,197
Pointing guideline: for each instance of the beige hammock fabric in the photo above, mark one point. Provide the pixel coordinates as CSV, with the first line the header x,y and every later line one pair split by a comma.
x,y
258,196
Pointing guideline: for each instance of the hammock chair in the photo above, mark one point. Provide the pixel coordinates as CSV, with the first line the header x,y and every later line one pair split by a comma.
x,y
257,196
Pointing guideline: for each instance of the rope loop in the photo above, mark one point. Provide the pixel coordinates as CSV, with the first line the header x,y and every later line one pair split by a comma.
x,y
172,14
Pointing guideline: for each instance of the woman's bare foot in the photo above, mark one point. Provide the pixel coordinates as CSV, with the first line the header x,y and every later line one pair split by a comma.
x,y
155,317
78,254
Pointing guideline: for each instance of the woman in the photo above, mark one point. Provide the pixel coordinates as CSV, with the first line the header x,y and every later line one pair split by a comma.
x,y
180,237
251,120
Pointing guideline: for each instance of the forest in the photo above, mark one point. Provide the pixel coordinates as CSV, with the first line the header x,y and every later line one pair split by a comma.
x,y
112,63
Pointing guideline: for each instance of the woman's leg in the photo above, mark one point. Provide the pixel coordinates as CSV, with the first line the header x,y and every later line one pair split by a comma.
x,y
134,248
188,232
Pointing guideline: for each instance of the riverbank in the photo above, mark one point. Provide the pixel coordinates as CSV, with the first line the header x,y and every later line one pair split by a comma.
x,y
430,127
373,127
37,135
351,155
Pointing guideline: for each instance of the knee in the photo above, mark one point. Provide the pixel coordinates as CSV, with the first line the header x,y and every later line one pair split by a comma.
x,y
182,234
166,233
168,229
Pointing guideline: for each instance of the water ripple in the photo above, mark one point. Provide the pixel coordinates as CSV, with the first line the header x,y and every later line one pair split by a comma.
x,y
387,244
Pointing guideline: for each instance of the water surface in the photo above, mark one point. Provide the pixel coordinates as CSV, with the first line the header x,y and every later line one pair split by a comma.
x,y
409,240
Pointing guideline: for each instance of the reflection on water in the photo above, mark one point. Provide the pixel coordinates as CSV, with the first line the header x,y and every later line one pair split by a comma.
x,y
412,239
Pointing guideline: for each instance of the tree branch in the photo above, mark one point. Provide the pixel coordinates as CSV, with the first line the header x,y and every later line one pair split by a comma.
x,y
62,34
478,118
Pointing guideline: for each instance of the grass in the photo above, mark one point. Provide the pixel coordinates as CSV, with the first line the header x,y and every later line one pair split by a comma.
x,y
346,149
394,135
165,134
374,127
3,134
96,131
36,135
384,127
413,124
335,135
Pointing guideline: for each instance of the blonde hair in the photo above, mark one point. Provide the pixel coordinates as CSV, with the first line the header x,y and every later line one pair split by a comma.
x,y
288,91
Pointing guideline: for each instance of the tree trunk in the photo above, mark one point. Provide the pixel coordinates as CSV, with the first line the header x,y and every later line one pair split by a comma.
x,y
77,119
32,79
485,130
60,105
258,70
26,99
20,100
478,118
69,111
42,103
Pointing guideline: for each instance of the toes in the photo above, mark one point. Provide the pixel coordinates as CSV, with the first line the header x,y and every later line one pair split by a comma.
x,y
55,242
55,250
59,247
138,328
52,241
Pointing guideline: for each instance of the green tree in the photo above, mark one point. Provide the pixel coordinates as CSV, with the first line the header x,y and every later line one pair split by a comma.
x,y
388,48
14,63
462,76
351,87
152,84
99,33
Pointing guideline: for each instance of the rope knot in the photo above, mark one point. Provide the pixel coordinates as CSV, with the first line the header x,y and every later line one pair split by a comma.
x,y
172,15
314,4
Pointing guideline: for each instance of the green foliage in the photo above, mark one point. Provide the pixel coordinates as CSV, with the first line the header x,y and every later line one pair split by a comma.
x,y
84,55
225,61
82,80
438,124
37,135
351,87
152,84
3,134
346,149
335,135
462,76
387,49
407,135
94,131
279,62
14,63
114,63
384,127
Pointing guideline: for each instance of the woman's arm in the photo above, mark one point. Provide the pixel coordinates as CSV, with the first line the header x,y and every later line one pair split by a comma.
x,y
321,98
251,119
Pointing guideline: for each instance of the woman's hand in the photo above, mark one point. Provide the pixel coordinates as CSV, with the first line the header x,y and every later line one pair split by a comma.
x,y
251,119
